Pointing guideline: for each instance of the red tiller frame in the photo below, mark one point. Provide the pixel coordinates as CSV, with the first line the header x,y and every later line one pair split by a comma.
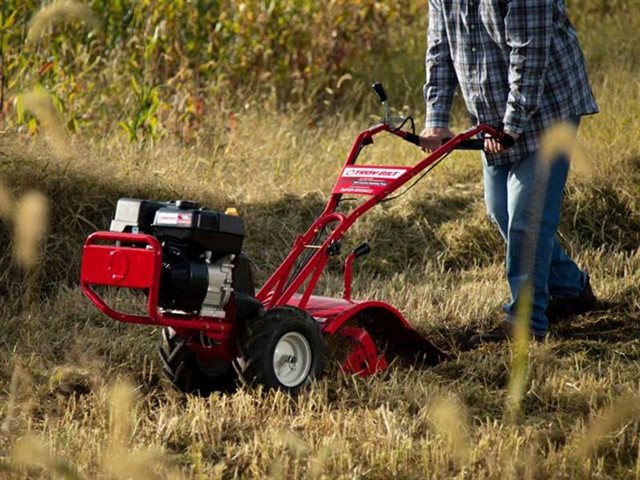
x,y
126,260
282,286
136,267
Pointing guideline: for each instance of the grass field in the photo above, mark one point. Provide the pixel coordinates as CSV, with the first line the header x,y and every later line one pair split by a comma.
x,y
82,396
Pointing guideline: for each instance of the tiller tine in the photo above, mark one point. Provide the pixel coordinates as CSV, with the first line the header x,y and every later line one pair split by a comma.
x,y
364,358
378,339
416,348
398,339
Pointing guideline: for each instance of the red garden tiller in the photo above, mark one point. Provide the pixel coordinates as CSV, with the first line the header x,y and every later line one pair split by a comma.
x,y
217,330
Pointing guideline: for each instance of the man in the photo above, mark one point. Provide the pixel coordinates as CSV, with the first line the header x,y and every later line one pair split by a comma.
x,y
520,67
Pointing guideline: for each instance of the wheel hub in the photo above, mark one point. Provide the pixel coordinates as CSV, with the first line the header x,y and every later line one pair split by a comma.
x,y
292,359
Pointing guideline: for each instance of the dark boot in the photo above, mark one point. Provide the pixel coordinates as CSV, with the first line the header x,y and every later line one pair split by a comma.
x,y
503,332
562,308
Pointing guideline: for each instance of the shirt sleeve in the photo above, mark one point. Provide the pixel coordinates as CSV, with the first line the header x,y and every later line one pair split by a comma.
x,y
441,76
528,27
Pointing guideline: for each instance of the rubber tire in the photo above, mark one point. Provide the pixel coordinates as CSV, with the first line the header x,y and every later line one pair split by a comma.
x,y
180,365
261,337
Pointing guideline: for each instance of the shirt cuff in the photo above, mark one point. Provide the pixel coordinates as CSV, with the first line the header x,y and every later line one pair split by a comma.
x,y
437,119
514,122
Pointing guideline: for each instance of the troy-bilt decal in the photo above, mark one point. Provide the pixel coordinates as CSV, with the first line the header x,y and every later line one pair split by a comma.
x,y
367,180
373,172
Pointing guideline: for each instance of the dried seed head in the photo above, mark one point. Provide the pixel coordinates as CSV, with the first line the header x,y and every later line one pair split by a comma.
x,y
449,418
557,140
6,203
31,451
121,407
31,219
62,10
40,104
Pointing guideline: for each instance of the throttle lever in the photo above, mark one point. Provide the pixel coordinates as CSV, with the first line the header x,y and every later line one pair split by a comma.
x,y
382,96
380,92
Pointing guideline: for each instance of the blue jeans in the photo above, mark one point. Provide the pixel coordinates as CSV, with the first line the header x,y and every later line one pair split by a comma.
x,y
514,197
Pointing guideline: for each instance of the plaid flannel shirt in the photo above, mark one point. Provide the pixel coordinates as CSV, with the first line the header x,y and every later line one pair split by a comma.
x,y
518,64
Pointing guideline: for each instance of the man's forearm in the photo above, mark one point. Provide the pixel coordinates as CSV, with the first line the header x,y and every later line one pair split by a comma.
x,y
441,78
528,28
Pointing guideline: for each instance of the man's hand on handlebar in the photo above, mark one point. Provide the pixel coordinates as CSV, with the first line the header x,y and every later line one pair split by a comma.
x,y
432,138
494,142
491,145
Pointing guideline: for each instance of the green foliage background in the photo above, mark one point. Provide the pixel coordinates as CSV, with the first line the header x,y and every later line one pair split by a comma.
x,y
168,61
160,67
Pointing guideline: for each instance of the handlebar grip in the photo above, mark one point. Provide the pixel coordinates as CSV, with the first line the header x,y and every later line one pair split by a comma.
x,y
412,138
478,143
362,250
471,144
380,92
506,140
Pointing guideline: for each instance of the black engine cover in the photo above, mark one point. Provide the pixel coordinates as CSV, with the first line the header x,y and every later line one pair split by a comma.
x,y
193,238
199,227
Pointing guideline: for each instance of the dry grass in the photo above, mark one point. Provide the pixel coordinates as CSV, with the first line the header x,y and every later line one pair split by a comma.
x,y
570,412
82,397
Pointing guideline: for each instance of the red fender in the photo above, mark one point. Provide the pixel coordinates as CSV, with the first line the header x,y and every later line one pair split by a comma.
x,y
382,321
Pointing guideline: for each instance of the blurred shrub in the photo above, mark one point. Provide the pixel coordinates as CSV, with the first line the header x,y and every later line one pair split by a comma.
x,y
166,66
161,65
